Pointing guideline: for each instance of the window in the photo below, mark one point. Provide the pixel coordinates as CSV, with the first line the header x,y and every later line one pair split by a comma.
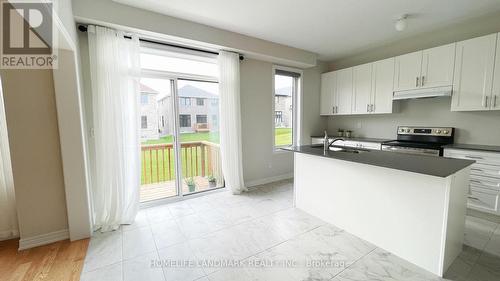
x,y
201,119
144,122
200,102
174,62
286,89
144,98
185,120
278,117
185,101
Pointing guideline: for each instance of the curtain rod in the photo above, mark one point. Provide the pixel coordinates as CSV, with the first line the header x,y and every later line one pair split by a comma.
x,y
83,28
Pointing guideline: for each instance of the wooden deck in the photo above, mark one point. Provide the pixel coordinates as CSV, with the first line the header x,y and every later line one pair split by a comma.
x,y
167,189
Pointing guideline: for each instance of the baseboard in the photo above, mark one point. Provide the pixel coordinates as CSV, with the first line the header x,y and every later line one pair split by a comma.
x,y
268,180
44,239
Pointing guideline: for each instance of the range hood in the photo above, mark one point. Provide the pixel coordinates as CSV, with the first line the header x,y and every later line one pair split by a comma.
x,y
423,93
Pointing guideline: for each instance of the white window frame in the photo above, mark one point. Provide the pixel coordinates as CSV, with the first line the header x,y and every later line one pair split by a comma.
x,y
296,110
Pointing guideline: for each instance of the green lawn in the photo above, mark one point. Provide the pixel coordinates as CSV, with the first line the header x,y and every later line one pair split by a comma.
x,y
282,136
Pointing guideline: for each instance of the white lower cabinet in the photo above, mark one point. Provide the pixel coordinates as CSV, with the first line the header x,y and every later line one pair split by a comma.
x,y
484,190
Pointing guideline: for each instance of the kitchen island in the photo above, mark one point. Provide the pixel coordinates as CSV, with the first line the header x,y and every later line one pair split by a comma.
x,y
413,206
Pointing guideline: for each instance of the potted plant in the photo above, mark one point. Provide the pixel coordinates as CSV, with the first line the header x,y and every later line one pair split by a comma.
x,y
191,184
211,181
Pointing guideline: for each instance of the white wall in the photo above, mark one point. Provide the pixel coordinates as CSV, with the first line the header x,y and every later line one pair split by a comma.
x,y
259,160
125,17
472,127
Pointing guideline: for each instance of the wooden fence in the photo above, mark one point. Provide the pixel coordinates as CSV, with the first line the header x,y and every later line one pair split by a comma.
x,y
200,158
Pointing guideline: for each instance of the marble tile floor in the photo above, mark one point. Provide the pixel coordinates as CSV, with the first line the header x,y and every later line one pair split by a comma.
x,y
260,236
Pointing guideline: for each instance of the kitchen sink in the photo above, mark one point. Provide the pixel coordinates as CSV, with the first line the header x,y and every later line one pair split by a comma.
x,y
343,149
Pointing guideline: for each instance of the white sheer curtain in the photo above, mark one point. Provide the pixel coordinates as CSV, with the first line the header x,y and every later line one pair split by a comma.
x,y
230,121
115,69
8,214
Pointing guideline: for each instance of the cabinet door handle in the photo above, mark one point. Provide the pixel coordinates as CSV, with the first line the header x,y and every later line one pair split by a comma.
x,y
485,101
416,84
367,108
372,108
422,82
490,185
494,101
473,198
333,109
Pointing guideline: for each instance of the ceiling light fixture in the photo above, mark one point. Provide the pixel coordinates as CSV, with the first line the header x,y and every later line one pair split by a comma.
x,y
401,23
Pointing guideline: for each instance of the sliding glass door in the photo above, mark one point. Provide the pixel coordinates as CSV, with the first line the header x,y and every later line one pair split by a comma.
x,y
158,147
198,111
179,104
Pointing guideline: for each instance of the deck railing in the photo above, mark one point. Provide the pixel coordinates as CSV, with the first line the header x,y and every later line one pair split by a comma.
x,y
200,158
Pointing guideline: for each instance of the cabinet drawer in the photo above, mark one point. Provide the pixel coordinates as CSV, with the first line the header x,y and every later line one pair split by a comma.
x,y
488,158
479,198
485,170
485,182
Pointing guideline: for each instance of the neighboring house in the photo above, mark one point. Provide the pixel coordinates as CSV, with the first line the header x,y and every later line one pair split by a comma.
x,y
198,112
149,113
283,107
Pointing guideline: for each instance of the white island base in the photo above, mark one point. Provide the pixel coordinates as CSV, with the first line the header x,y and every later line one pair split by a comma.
x,y
417,217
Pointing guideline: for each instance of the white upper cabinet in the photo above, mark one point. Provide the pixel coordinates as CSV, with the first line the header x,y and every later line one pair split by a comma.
x,y
437,66
363,87
495,104
343,93
327,93
425,69
383,78
473,77
408,71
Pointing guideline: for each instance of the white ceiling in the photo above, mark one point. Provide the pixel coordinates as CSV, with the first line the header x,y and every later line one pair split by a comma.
x,y
331,28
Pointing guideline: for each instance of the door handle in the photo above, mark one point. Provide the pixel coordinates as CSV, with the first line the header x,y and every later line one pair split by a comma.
x,y
422,82
416,84
485,101
372,108
367,108
333,109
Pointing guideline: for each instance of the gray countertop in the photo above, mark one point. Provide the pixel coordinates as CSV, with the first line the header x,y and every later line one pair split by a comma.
x,y
357,139
491,148
428,165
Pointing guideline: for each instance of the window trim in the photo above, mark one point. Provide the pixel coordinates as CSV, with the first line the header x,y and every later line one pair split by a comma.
x,y
297,108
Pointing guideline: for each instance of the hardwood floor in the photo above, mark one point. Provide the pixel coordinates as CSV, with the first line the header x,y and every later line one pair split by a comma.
x,y
60,261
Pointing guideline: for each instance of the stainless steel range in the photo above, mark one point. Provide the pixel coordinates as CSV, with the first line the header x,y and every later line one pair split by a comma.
x,y
421,140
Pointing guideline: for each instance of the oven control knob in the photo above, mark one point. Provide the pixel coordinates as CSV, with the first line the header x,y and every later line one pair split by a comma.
x,y
438,131
445,132
407,130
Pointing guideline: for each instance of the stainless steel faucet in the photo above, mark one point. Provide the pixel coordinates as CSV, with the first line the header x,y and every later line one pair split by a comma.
x,y
328,143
